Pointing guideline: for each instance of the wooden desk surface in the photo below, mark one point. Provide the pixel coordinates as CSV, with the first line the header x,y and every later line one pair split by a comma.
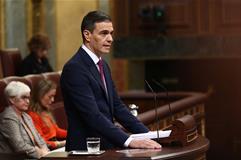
x,y
191,151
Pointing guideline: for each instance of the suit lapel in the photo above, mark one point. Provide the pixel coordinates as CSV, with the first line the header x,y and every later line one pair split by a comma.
x,y
108,97
32,134
109,86
93,69
96,75
108,82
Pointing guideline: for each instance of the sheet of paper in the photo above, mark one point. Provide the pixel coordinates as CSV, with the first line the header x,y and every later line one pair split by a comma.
x,y
62,149
151,135
85,153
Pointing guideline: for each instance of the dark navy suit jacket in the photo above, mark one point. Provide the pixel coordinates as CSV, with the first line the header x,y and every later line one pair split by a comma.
x,y
90,112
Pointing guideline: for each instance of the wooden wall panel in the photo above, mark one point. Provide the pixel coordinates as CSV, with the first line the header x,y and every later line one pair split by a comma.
x,y
37,17
225,17
180,17
223,76
201,22
120,17
204,19
2,24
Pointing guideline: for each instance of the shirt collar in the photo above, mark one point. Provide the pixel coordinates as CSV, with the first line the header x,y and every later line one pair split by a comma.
x,y
91,54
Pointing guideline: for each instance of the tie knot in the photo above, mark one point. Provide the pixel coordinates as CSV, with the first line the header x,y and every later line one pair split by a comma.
x,y
100,63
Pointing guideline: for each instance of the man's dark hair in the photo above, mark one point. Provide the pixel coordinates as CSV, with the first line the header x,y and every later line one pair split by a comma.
x,y
91,18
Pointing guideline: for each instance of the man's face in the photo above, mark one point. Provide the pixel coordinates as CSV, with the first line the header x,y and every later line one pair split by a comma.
x,y
100,40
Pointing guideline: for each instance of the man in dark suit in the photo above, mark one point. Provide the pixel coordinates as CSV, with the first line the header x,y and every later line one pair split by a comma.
x,y
91,101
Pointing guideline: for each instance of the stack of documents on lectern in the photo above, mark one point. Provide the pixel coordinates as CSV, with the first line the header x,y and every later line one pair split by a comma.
x,y
151,135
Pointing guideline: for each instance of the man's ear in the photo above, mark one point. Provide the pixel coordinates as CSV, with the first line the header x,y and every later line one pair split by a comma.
x,y
87,35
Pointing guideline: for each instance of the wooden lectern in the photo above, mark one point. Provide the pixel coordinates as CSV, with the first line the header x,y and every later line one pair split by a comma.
x,y
184,131
193,151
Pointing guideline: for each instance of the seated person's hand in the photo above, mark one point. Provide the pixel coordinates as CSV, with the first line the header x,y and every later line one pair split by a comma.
x,y
144,143
61,143
42,151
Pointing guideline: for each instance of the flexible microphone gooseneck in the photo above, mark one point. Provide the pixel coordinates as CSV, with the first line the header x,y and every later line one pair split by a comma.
x,y
155,105
167,94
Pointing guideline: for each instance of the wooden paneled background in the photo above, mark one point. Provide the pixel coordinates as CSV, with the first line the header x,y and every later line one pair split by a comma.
x,y
217,22
185,17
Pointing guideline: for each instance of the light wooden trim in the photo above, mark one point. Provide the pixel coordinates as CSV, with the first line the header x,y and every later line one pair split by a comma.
x,y
2,28
29,15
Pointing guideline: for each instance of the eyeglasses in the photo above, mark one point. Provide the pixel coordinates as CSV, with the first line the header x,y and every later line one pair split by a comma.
x,y
25,97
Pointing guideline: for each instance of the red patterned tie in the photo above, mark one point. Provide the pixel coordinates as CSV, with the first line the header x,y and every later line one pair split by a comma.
x,y
102,76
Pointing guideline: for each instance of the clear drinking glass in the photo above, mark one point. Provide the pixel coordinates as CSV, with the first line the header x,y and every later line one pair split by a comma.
x,y
93,144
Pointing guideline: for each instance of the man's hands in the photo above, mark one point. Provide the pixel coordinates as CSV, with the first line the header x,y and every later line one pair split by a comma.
x,y
144,143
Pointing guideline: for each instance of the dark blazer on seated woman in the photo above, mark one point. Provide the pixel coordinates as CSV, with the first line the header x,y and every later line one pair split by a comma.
x,y
36,62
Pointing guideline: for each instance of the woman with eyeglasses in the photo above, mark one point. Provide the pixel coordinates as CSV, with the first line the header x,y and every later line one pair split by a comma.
x,y
17,131
43,120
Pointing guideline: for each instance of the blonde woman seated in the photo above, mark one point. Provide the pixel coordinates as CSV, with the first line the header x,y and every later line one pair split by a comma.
x,y
42,118
17,131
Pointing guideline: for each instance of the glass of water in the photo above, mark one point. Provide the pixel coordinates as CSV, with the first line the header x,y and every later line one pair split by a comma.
x,y
93,144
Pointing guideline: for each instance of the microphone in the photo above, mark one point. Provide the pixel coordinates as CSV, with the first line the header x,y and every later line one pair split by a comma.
x,y
165,89
155,105
180,133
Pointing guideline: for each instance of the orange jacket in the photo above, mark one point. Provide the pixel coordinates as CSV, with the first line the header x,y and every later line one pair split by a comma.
x,y
47,128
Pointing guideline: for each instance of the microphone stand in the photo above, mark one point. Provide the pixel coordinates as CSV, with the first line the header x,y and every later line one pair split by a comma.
x,y
182,128
168,98
155,105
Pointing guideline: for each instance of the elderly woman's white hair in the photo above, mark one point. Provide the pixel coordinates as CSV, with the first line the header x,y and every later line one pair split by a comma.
x,y
16,89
